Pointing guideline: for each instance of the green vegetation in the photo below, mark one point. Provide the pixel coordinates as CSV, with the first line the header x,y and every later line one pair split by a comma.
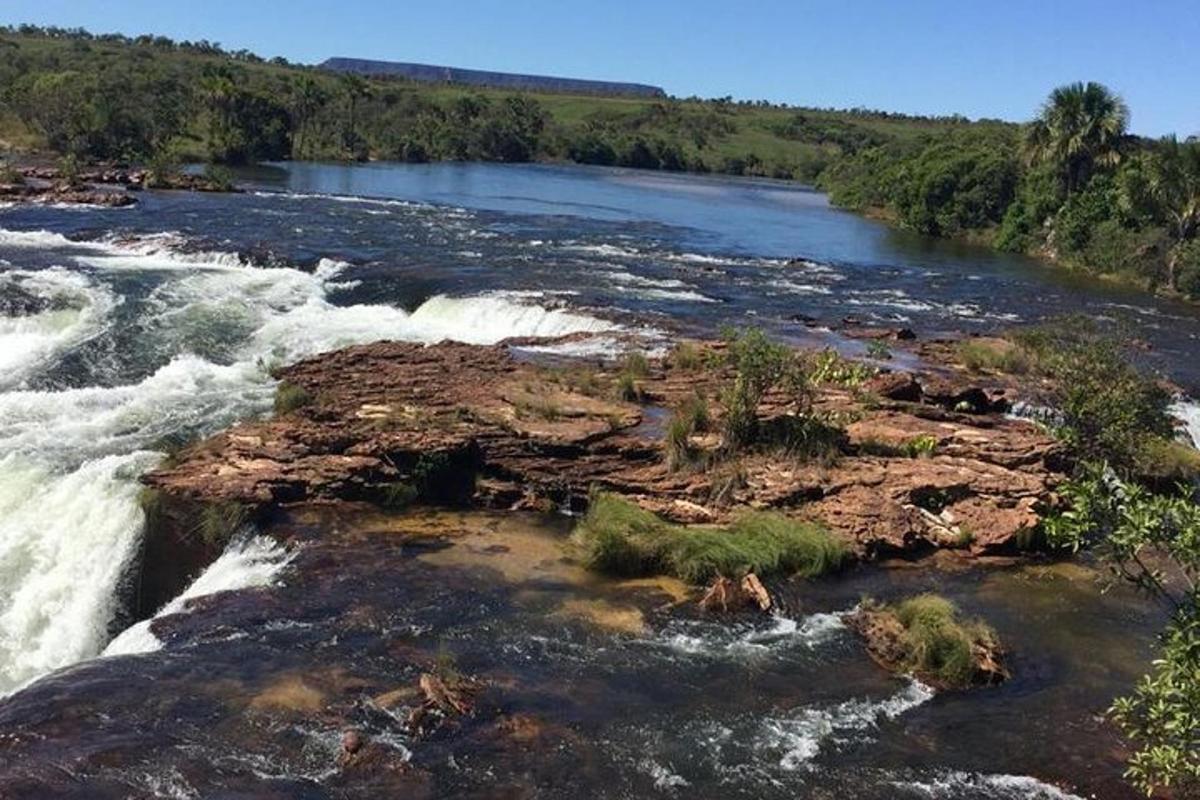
x,y
1072,185
994,356
1152,541
116,97
619,538
1111,412
1120,505
921,446
690,417
219,521
686,356
937,644
289,397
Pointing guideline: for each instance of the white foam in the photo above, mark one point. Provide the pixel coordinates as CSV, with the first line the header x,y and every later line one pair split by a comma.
x,y
1188,412
65,541
798,737
80,312
246,563
486,320
722,640
77,450
955,785
40,239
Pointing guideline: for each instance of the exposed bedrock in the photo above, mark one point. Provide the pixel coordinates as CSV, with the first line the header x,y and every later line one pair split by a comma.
x,y
391,423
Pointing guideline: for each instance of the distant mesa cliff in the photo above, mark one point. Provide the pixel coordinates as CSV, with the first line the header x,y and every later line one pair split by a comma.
x,y
473,77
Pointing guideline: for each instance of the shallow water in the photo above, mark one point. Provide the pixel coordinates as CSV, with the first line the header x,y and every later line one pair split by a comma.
x,y
607,688
126,331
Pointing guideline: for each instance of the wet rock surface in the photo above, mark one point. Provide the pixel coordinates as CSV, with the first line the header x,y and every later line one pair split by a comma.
x,y
466,655
463,423
111,187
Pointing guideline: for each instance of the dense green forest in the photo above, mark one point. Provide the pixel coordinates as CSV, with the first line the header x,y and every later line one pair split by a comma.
x,y
1072,186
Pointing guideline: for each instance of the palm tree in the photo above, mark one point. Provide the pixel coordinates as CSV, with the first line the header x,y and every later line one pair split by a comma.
x,y
218,89
308,97
1081,125
1171,184
356,88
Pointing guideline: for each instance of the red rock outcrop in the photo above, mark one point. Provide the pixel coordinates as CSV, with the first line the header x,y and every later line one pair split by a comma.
x,y
459,423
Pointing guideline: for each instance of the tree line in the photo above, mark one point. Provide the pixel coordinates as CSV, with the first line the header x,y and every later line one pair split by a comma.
x,y
1072,185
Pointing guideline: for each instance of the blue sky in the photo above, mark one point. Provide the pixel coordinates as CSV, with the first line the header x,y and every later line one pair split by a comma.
x,y
983,59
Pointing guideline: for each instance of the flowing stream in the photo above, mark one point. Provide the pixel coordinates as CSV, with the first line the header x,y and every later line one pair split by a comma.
x,y
126,332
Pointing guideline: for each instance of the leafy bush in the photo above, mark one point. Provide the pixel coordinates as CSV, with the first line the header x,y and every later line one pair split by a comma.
x,y
619,538
759,366
1110,411
1124,523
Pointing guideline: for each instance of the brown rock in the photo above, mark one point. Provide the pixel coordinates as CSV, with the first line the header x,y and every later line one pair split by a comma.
x,y
727,595
469,424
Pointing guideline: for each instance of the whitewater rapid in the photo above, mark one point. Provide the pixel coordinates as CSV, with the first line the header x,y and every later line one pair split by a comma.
x,y
70,524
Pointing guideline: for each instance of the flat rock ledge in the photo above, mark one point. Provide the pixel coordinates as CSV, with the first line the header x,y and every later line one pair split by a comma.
x,y
474,425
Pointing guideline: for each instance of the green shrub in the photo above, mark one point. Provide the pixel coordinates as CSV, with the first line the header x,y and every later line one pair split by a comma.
x,y
1187,268
619,538
162,167
759,366
937,643
1111,412
289,397
218,178
828,367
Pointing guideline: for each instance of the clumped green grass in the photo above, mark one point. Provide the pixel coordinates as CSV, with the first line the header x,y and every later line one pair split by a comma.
x,y
921,446
686,356
636,364
289,397
937,641
1011,359
690,417
628,388
619,538
218,522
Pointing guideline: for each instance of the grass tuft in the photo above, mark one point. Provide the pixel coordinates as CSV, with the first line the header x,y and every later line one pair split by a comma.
x,y
995,356
937,642
690,417
619,538
289,397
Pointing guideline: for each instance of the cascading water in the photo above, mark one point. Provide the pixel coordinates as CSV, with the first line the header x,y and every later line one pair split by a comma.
x,y
1188,412
211,328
